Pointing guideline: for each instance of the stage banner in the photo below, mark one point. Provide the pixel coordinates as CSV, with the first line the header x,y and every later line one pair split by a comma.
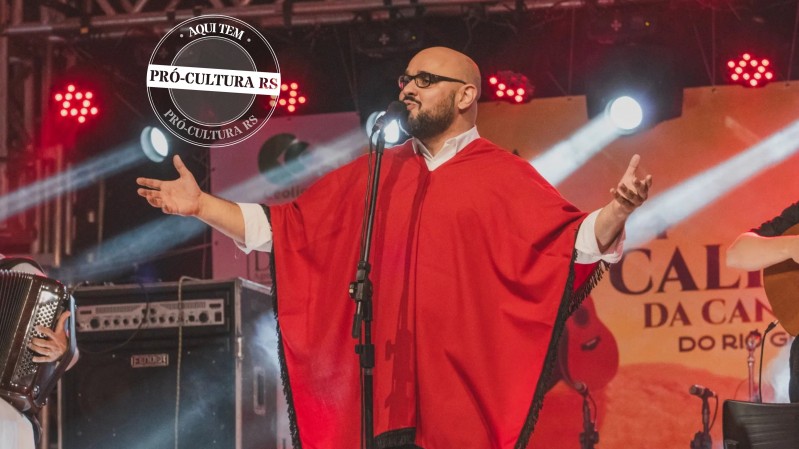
x,y
671,314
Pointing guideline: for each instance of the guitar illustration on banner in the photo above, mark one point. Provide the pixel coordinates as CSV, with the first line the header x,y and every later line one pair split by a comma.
x,y
587,352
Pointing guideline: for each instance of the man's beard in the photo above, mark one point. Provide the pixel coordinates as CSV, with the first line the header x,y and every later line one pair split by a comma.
x,y
430,124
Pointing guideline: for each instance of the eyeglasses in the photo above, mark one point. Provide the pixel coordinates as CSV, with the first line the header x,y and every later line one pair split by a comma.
x,y
424,79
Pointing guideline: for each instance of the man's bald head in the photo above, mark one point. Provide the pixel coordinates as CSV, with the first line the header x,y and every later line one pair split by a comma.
x,y
447,62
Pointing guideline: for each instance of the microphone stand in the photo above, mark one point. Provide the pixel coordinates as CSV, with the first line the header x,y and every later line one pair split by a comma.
x,y
361,291
702,438
589,436
752,341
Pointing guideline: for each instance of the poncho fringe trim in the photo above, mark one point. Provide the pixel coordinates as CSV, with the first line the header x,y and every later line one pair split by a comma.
x,y
568,304
284,370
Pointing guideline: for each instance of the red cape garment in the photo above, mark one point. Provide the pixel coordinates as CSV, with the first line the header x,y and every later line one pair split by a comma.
x,y
473,278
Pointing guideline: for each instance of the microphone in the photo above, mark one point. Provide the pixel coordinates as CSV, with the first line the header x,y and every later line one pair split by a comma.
x,y
702,392
771,326
581,387
396,110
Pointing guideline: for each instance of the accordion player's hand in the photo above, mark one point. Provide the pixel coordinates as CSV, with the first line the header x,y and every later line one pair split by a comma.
x,y
54,345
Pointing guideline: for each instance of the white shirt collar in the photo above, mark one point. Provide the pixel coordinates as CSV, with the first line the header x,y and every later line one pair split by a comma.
x,y
450,148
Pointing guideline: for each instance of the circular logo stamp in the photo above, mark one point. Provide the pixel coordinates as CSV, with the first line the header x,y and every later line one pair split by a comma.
x,y
210,80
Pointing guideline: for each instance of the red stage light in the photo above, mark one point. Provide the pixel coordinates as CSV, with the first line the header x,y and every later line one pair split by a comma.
x,y
511,86
72,101
292,100
750,71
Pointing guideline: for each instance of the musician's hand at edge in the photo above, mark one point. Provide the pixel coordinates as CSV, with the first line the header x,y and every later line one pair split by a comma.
x,y
181,196
54,345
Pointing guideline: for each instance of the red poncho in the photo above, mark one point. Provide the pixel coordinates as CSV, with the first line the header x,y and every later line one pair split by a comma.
x,y
473,278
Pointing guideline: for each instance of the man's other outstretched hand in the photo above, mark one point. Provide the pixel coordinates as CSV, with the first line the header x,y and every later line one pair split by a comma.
x,y
181,196
632,191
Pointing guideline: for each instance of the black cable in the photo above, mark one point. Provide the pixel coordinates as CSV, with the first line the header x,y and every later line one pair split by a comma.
x,y
770,327
715,413
132,336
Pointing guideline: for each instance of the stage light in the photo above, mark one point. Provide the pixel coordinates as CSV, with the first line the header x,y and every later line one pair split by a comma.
x,y
646,75
626,113
75,103
294,98
154,144
750,71
392,131
511,86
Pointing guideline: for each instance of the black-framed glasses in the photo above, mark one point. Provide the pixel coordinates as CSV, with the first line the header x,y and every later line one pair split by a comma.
x,y
424,79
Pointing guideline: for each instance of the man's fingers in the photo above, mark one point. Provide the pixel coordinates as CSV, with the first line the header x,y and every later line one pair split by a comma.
x,y
633,165
180,166
63,319
45,331
149,183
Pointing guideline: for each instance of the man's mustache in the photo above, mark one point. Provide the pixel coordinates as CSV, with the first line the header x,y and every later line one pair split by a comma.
x,y
409,98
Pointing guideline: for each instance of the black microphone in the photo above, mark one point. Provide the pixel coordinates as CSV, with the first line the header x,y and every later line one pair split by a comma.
x,y
396,110
702,392
771,326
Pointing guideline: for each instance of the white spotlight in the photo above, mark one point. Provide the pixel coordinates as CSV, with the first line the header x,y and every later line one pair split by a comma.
x,y
154,144
626,113
392,131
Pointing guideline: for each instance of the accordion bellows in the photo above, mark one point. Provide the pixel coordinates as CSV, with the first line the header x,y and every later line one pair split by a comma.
x,y
27,301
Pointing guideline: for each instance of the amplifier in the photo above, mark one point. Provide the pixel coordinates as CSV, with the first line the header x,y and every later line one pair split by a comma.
x,y
139,385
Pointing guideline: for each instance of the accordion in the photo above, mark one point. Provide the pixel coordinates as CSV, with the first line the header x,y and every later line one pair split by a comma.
x,y
27,301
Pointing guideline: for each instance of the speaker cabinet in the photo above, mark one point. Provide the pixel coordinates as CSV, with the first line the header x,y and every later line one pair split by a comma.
x,y
144,380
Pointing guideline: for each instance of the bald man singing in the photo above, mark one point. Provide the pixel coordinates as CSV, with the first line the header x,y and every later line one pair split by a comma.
x,y
477,262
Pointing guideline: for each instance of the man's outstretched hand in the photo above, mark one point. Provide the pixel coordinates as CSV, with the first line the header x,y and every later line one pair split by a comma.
x,y
632,191
178,197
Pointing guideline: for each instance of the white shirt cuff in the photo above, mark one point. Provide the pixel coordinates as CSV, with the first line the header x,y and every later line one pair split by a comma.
x,y
257,231
588,248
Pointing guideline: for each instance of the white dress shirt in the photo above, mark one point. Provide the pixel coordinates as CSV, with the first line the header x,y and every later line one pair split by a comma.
x,y
258,232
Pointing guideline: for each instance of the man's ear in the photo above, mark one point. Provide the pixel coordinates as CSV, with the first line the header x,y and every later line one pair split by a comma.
x,y
466,96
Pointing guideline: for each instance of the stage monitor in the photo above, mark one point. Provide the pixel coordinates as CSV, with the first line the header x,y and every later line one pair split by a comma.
x,y
751,425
